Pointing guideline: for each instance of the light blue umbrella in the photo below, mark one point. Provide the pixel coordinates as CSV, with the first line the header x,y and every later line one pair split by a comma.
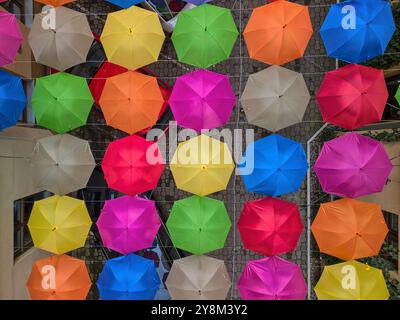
x,y
125,3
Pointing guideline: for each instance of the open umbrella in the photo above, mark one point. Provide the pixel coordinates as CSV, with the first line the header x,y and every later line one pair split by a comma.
x,y
198,224
55,3
275,98
198,278
197,2
125,3
397,96
10,38
59,278
128,224
353,166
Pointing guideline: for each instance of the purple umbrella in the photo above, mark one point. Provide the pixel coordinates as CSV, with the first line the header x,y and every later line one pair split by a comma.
x,y
198,2
353,166
128,224
202,100
272,279
10,38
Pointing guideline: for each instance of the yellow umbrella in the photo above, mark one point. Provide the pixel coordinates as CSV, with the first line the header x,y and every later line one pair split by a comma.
x,y
132,37
351,280
59,224
202,165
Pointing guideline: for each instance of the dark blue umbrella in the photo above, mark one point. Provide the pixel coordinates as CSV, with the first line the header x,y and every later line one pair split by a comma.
x,y
362,40
125,3
274,166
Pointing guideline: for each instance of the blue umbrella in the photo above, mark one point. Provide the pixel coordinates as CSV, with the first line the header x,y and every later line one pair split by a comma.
x,y
12,99
129,277
358,30
198,2
125,3
278,166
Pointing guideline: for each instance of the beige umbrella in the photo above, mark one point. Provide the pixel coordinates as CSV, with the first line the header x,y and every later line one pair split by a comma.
x,y
62,164
198,278
60,41
275,98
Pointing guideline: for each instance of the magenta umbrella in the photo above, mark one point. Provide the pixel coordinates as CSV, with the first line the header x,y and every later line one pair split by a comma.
x,y
202,100
10,38
272,278
353,166
128,224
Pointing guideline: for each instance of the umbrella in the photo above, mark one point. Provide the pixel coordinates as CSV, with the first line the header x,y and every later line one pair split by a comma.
x,y
61,102
55,3
272,279
278,32
361,172
59,278
125,3
270,226
198,224
275,98
397,96
202,165
351,280
204,36
131,101
62,164
362,40
128,167
12,99
59,224
273,166
197,2
198,278
353,96
202,100
10,38
128,224
132,37
65,45
129,277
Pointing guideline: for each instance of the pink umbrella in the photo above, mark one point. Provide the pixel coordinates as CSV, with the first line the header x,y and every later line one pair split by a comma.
x,y
272,279
353,166
202,100
128,224
10,38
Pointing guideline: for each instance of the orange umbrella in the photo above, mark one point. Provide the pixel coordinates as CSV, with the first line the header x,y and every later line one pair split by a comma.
x,y
55,3
349,229
278,32
131,101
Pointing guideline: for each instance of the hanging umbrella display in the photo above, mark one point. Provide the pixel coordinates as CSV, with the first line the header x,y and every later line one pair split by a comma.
x,y
198,278
202,100
198,224
59,278
275,98
351,280
204,36
128,167
274,166
125,3
361,172
202,165
10,38
129,277
128,224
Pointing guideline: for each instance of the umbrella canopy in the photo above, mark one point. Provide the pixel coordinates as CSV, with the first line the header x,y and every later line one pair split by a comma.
x,y
361,172
62,164
128,224
198,224
272,279
202,100
397,96
127,167
275,98
353,96
278,32
202,165
10,38
129,277
132,37
65,45
197,2
12,99
351,280
198,278
55,3
125,3
131,101
66,278
61,102
274,166
59,224
204,36
270,226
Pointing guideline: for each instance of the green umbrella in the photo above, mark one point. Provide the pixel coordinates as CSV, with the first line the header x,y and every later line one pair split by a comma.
x,y
204,35
198,224
61,102
397,96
